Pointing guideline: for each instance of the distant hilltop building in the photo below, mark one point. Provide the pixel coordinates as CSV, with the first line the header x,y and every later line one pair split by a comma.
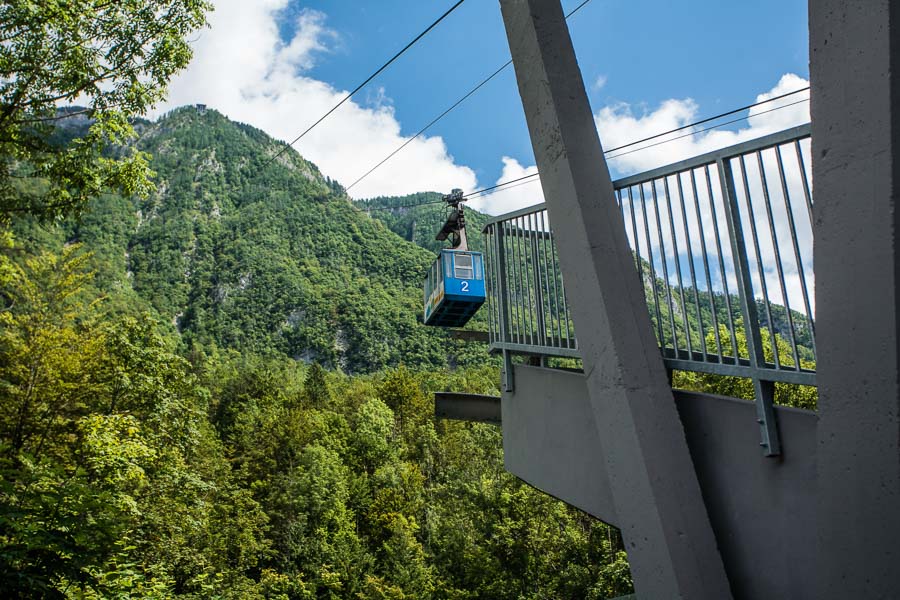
x,y
201,108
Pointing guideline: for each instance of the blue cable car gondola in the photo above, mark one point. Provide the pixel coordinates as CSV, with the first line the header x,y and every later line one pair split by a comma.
x,y
454,288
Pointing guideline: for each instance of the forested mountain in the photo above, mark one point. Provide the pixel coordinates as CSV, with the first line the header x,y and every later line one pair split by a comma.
x,y
166,429
160,439
238,250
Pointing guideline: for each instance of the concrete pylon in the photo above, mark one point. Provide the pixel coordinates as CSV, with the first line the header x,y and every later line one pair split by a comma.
x,y
855,78
660,510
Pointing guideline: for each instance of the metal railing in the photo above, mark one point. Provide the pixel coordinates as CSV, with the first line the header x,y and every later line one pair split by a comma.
x,y
723,245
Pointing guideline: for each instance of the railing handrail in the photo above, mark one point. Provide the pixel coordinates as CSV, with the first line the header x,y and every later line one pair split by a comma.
x,y
740,217
762,143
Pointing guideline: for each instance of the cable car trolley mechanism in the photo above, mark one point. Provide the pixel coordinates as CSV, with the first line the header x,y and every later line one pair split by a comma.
x,y
454,286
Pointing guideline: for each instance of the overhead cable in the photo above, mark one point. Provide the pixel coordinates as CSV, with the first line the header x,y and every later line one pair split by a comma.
x,y
698,131
484,191
708,119
532,176
449,109
370,78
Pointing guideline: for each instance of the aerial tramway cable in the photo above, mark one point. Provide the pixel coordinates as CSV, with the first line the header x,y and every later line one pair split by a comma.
x,y
369,78
532,176
449,109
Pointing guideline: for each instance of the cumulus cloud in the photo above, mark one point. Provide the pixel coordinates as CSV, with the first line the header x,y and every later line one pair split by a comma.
x,y
264,81
621,123
516,195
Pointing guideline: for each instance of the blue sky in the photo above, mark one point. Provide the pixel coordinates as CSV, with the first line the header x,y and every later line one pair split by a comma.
x,y
648,65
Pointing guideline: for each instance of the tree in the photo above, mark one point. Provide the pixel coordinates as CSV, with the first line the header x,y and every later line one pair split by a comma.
x,y
115,58
315,387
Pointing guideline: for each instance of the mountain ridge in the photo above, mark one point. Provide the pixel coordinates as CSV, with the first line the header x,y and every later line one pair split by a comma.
x,y
236,250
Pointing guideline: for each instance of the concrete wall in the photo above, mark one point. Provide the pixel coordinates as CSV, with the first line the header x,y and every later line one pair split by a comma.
x,y
855,78
762,510
550,441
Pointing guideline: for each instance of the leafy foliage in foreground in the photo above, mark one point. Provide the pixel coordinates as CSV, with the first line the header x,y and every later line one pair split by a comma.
x,y
116,57
129,471
256,255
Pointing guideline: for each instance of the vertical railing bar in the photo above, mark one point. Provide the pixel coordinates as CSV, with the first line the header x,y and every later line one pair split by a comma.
x,y
533,279
634,251
690,251
523,278
759,262
512,309
637,242
517,275
526,282
529,304
763,390
706,268
488,278
505,309
539,292
808,305
536,281
494,280
503,280
803,178
687,328
516,298
532,303
565,302
560,308
502,285
621,204
511,283
718,238
665,266
662,339
546,282
787,206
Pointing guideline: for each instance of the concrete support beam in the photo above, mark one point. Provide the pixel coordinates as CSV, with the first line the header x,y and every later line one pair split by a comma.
x,y
855,76
477,408
658,504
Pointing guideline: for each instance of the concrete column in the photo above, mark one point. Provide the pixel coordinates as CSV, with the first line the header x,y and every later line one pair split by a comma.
x,y
855,76
659,507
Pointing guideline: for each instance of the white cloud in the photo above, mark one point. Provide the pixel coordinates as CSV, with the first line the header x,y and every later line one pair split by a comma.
x,y
517,195
618,124
600,82
243,69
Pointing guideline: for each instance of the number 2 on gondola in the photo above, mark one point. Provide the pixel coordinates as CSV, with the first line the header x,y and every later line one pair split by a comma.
x,y
465,286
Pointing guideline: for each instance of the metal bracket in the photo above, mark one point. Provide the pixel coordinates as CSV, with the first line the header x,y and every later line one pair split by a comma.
x,y
507,374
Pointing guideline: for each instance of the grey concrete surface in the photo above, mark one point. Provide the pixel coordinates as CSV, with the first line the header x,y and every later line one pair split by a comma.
x,y
761,509
855,78
467,407
659,507
550,440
